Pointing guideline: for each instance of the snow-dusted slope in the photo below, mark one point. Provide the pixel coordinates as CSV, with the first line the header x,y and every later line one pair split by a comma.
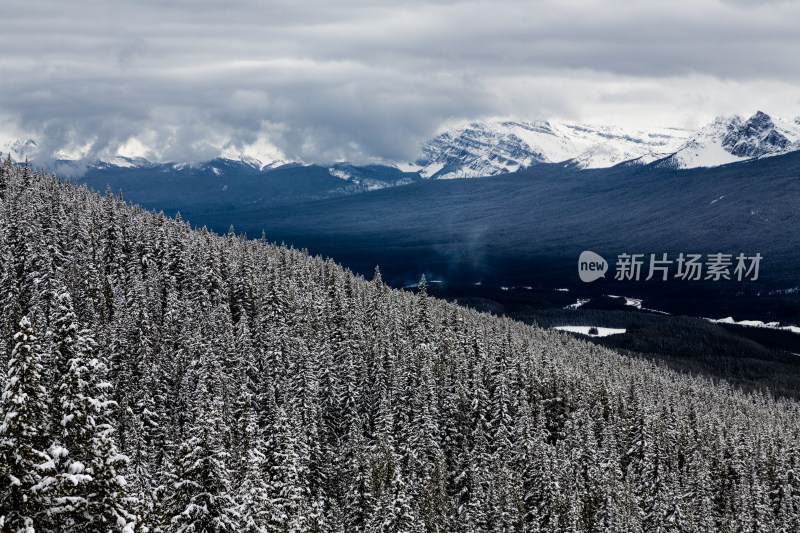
x,y
732,139
485,149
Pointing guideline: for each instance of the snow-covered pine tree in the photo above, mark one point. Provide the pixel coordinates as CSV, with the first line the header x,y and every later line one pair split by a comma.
x,y
255,508
289,499
72,424
25,466
108,504
88,493
3,181
198,496
394,511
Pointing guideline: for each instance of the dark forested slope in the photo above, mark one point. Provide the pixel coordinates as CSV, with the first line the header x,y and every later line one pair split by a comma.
x,y
239,386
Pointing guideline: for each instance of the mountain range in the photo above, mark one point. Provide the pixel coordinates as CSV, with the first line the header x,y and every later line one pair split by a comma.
x,y
485,149
731,187
488,149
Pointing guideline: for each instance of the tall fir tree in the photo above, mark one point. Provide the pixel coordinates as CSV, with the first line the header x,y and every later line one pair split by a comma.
x,y
198,495
24,464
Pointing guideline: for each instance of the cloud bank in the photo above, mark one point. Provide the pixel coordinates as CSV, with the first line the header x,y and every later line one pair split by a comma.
x,y
366,81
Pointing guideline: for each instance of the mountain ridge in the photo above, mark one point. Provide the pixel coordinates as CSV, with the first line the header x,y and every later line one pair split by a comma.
x,y
483,149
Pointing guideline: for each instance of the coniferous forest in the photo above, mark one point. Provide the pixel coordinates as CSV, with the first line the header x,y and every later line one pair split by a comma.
x,y
161,378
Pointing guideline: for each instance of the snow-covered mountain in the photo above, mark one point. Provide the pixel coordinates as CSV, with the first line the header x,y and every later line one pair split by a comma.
x,y
732,139
491,148
19,149
485,149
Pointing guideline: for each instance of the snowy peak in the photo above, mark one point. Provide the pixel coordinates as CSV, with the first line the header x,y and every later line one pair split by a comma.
x,y
732,139
486,149
20,149
757,137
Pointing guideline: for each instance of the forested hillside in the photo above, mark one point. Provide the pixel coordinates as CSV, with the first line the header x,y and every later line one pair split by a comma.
x,y
159,378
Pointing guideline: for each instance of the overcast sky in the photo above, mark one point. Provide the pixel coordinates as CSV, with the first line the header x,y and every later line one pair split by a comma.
x,y
321,81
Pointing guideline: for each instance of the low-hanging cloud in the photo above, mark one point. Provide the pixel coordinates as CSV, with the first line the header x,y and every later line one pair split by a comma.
x,y
365,81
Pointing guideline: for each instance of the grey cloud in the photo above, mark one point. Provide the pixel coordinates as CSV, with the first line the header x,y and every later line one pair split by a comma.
x,y
133,48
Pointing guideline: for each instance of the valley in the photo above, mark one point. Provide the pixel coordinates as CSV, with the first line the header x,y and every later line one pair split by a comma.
x,y
480,242
504,243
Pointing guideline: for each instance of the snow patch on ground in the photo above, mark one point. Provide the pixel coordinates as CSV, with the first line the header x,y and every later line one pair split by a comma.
x,y
637,303
577,304
755,324
408,167
646,159
431,169
584,330
791,290
341,174
705,153
122,162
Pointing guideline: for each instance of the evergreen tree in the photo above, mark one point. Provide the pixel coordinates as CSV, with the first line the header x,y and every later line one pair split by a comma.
x,y
89,493
108,503
24,464
394,510
288,495
198,495
3,182
255,504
